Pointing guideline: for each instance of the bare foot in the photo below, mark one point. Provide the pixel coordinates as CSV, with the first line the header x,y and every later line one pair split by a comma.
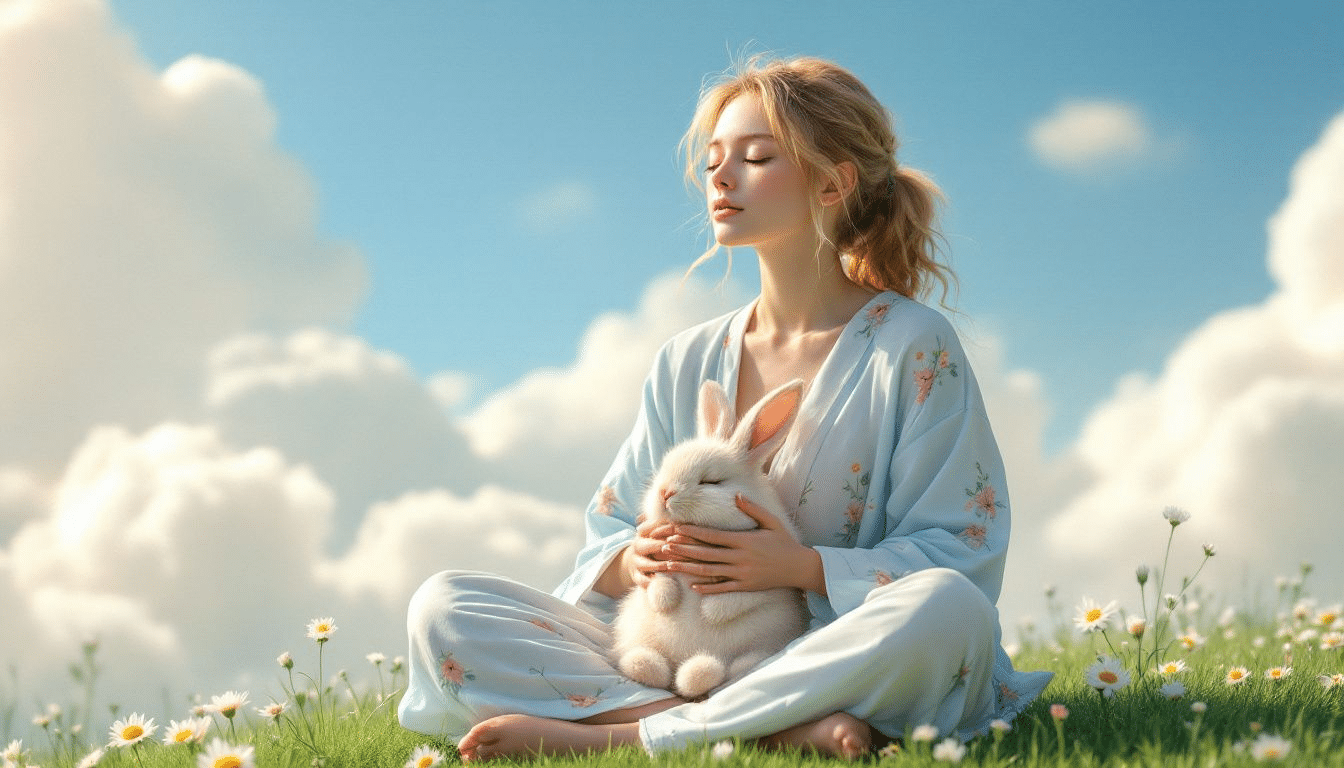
x,y
528,736
839,735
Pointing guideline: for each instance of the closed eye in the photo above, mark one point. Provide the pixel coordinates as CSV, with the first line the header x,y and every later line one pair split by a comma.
x,y
711,481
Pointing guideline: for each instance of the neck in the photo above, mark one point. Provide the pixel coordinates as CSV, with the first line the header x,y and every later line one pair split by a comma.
x,y
805,291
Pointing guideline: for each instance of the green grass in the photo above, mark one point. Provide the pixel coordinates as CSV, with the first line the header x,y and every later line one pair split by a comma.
x,y
1138,726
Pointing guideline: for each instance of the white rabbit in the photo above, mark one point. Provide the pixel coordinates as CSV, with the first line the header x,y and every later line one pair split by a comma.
x,y
667,633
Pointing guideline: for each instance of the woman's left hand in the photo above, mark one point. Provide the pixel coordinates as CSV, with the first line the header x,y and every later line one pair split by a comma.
x,y
766,557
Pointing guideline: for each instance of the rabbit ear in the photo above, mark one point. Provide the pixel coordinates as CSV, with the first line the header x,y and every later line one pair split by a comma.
x,y
766,425
715,418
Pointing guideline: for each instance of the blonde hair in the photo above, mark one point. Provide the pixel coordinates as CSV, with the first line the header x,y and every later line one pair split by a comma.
x,y
822,115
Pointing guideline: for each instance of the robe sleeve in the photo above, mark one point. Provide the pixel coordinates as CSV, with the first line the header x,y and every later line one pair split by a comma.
x,y
944,502
610,516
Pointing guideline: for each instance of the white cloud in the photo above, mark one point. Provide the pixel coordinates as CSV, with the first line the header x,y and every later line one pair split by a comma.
x,y
559,205
359,416
143,217
556,429
1087,136
403,541
1244,427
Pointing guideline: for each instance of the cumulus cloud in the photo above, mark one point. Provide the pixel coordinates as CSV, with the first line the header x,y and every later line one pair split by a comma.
x,y
1087,136
143,217
556,429
358,416
496,529
1244,426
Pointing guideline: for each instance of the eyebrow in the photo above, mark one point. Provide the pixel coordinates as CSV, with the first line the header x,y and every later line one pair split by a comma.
x,y
748,137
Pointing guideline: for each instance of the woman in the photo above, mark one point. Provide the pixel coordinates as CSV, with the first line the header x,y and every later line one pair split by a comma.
x,y
891,467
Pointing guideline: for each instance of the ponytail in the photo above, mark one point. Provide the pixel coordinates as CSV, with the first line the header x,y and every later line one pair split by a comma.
x,y
892,236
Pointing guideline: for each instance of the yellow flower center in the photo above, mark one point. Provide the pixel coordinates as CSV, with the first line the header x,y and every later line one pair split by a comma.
x,y
132,732
1108,677
323,627
424,762
1093,614
227,761
1327,619
182,736
1273,753
1235,674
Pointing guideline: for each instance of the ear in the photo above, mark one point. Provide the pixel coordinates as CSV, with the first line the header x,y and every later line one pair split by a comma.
x,y
715,417
765,426
837,185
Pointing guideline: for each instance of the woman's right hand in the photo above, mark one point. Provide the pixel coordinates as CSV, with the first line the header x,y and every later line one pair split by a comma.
x,y
644,556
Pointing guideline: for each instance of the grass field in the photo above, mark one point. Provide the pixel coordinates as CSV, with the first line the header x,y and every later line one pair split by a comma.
x,y
1216,690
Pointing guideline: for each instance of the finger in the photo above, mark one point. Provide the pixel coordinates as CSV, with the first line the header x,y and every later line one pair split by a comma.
x,y
692,568
717,587
715,537
700,553
655,530
758,513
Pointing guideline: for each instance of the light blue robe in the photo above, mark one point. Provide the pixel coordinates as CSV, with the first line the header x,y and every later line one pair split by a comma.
x,y
893,470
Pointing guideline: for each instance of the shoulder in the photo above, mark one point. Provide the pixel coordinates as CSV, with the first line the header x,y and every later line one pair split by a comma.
x,y
909,327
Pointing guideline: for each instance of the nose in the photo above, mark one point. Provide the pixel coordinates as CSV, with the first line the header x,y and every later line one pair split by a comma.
x,y
720,178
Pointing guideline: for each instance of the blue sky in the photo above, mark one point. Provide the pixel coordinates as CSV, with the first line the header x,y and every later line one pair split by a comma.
x,y
433,130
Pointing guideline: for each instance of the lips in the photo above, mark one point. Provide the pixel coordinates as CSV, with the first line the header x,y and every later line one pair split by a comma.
x,y
723,209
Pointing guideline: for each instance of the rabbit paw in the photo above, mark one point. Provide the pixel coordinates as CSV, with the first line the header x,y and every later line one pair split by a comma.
x,y
646,666
698,674
663,594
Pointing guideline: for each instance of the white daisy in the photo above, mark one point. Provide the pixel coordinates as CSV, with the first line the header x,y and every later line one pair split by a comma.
x,y
1330,681
228,704
1237,675
12,752
1332,641
1327,618
1173,690
285,660
1266,747
924,732
189,731
1278,673
1137,627
949,750
1175,515
1107,675
722,750
376,658
273,710
425,756
321,629
131,730
1092,616
1173,667
222,755
90,759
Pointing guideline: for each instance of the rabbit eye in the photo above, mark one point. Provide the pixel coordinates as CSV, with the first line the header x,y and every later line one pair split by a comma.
x,y
712,481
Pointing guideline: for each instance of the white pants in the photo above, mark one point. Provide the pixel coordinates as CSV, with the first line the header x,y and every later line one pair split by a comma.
x,y
920,650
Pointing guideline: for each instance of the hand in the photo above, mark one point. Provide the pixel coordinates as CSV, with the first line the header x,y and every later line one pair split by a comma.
x,y
743,561
644,556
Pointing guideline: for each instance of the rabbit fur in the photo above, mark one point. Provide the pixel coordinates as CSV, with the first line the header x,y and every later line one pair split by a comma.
x,y
666,635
